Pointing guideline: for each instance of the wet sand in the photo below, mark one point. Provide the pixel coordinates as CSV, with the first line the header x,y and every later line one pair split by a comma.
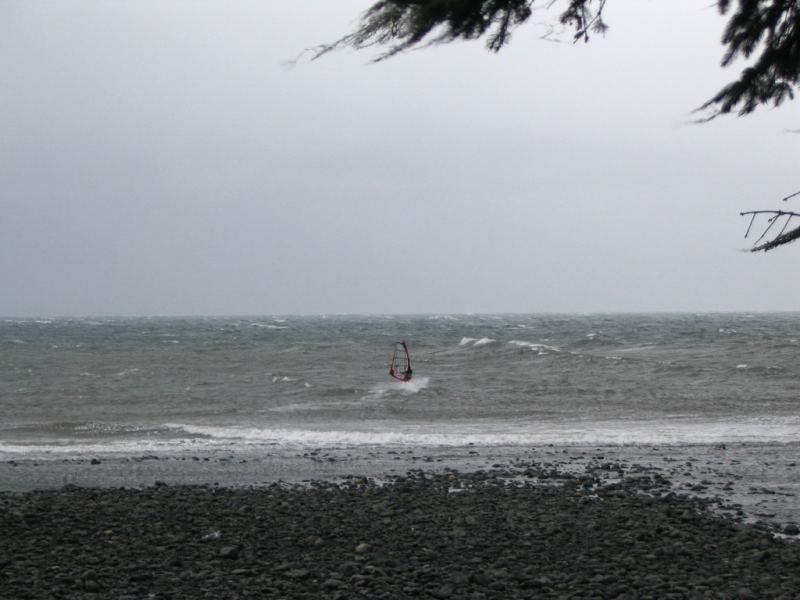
x,y
760,482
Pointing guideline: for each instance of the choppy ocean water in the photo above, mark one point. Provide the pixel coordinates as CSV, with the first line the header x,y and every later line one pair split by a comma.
x,y
131,385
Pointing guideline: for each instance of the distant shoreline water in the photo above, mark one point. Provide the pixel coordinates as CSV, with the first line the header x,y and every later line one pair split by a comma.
x,y
129,385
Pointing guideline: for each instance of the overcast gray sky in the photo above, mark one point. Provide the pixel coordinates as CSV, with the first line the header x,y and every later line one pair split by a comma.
x,y
158,157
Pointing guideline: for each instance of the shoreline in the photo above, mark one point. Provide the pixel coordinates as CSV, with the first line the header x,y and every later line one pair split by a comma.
x,y
758,482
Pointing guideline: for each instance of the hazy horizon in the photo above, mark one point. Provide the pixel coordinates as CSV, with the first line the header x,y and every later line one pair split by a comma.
x,y
56,317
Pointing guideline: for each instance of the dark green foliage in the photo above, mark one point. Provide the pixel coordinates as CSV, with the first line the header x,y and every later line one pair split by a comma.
x,y
765,31
402,24
773,28
584,16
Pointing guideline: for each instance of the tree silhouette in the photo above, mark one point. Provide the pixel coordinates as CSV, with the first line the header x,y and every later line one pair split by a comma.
x,y
765,32
768,30
773,217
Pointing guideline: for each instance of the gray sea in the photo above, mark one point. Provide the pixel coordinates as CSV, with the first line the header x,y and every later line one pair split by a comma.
x,y
75,387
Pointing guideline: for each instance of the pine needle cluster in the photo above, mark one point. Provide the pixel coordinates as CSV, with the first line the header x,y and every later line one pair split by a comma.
x,y
764,32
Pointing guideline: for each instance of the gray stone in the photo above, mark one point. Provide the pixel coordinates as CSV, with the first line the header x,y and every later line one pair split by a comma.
x,y
444,592
331,584
297,573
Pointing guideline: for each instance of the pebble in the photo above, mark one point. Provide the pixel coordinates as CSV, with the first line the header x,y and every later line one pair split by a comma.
x,y
229,552
490,540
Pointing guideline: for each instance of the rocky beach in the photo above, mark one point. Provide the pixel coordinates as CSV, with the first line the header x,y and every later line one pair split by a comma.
x,y
554,523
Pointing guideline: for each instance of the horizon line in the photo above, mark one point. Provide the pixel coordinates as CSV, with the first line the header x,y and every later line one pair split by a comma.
x,y
388,314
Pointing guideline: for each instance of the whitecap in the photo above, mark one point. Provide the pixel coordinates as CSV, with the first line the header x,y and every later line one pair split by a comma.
x,y
399,387
268,326
540,348
126,372
466,341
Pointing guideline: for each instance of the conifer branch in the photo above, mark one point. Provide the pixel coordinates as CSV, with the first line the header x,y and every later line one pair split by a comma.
x,y
783,237
584,19
765,33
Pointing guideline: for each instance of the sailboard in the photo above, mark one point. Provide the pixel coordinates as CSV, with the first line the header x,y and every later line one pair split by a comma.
x,y
400,367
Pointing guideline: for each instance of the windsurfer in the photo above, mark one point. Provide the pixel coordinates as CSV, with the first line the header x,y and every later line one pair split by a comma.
x,y
400,366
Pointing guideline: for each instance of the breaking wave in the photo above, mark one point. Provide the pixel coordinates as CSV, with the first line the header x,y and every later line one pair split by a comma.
x,y
196,438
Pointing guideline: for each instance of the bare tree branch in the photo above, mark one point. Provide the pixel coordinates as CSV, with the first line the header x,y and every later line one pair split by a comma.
x,y
791,196
785,225
783,237
752,220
